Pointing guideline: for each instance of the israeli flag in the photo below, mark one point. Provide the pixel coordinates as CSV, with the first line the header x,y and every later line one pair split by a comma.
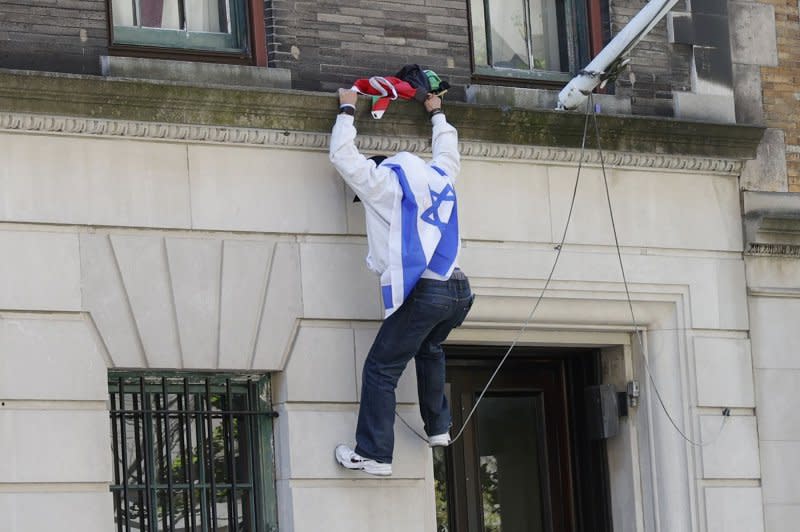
x,y
423,231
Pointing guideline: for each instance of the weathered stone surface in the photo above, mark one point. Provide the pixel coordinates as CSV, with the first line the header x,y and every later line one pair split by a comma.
x,y
767,172
753,33
304,111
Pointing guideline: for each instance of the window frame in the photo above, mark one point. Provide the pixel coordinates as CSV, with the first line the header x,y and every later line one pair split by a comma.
x,y
253,52
255,388
586,42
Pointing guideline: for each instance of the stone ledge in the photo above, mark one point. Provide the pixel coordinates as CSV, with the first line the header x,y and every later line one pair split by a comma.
x,y
285,110
772,223
217,74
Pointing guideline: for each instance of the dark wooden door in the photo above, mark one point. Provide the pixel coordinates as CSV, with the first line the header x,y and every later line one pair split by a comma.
x,y
522,464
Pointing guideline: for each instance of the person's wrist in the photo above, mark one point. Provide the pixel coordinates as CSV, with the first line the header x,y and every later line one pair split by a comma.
x,y
347,108
434,112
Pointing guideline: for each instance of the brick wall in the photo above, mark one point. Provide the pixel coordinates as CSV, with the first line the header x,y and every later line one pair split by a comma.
x,y
327,44
53,35
657,67
781,86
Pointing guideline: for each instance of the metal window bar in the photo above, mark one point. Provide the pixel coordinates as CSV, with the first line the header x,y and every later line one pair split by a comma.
x,y
231,457
186,432
173,492
213,502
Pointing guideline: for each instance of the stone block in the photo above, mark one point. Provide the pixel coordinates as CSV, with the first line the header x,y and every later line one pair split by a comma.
x,y
778,403
246,269
51,359
724,372
105,298
195,265
767,172
512,206
406,391
27,281
734,510
753,34
265,190
361,505
715,108
780,469
781,517
94,181
91,511
747,94
283,306
733,452
312,458
525,98
27,438
337,283
774,333
195,72
143,266
320,368
645,203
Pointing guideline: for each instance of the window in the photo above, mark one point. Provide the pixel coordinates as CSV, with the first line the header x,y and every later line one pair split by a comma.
x,y
545,40
191,453
216,27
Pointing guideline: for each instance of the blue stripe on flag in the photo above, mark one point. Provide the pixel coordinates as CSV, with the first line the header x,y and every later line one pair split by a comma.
x,y
447,250
386,292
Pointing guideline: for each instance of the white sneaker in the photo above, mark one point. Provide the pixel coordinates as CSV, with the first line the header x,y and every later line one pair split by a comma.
x,y
348,458
439,440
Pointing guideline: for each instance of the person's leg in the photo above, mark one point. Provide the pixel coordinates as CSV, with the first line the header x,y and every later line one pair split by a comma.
x,y
397,342
430,364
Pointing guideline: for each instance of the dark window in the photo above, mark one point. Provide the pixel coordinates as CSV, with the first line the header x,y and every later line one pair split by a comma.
x,y
545,40
191,453
215,28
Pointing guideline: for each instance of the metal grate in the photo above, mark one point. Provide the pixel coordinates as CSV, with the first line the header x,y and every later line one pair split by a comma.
x,y
190,453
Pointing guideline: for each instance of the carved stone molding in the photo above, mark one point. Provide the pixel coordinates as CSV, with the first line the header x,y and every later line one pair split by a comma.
x,y
319,141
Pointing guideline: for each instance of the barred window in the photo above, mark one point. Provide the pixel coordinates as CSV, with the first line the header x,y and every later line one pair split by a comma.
x,y
192,453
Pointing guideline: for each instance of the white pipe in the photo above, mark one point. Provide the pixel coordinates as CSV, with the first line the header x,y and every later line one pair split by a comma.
x,y
579,87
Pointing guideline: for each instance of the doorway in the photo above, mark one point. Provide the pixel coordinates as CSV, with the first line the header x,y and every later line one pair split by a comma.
x,y
524,462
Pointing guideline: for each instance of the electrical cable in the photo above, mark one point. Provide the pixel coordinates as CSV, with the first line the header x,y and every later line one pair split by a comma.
x,y
590,110
638,332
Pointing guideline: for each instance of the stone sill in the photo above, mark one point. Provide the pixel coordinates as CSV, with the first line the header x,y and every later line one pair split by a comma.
x,y
290,110
195,72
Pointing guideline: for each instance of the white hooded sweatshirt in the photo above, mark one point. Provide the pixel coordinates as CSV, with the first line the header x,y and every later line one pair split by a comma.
x,y
405,200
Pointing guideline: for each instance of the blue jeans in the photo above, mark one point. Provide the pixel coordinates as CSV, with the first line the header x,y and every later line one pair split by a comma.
x,y
415,330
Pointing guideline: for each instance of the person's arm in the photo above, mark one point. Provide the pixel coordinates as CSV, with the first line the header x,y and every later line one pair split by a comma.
x,y
359,173
444,139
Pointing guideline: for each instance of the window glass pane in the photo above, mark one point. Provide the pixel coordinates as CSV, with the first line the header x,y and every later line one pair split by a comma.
x,y
163,14
509,35
479,51
207,15
544,35
510,435
522,34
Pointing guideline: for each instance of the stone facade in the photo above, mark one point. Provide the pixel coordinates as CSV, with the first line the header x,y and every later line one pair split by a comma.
x,y
188,224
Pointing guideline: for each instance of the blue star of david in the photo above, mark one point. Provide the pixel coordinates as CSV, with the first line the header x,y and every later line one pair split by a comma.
x,y
431,215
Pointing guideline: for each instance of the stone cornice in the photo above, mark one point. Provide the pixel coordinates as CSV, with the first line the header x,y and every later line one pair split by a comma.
x,y
368,143
772,224
260,113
